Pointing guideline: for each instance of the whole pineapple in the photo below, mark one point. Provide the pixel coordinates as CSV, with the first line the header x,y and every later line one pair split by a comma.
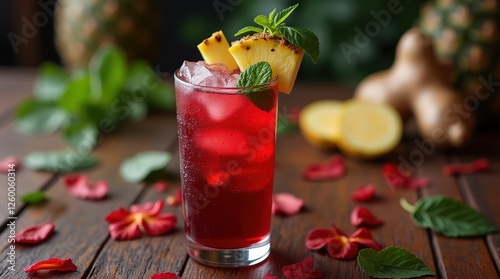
x,y
82,26
466,33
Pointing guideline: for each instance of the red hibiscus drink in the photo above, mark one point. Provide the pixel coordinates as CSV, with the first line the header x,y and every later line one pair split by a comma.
x,y
227,146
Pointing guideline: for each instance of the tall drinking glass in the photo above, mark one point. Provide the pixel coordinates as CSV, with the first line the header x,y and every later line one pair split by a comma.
x,y
227,146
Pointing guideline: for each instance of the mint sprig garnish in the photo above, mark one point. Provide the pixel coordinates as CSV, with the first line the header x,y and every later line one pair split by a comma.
x,y
392,262
257,74
274,25
448,217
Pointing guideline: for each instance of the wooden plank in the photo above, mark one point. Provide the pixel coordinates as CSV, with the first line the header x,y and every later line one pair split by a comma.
x,y
480,190
15,86
80,227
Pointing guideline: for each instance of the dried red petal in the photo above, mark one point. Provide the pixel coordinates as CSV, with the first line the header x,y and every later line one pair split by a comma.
x,y
398,179
52,264
318,238
9,160
79,187
165,275
146,217
362,216
302,270
160,186
268,276
35,234
364,193
286,204
468,168
331,169
340,248
364,237
175,199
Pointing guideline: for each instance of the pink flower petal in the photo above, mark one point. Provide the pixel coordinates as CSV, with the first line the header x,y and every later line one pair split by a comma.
x,y
302,270
125,229
364,236
9,163
362,216
318,238
79,187
364,193
52,264
166,275
268,276
160,186
473,167
286,203
147,207
35,234
331,169
396,178
342,249
159,224
175,199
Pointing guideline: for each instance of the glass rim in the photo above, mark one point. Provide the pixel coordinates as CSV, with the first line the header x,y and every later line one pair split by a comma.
x,y
222,89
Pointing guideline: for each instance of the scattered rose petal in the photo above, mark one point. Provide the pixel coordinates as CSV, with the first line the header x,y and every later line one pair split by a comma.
x,y
302,270
174,199
52,264
362,216
468,168
165,275
286,203
141,218
35,234
79,187
398,179
364,193
339,245
268,276
7,161
331,169
161,186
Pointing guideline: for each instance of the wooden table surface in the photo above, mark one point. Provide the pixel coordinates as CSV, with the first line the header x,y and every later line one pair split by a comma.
x,y
82,234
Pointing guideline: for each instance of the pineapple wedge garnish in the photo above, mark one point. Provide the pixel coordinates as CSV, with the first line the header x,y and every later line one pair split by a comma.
x,y
283,57
215,50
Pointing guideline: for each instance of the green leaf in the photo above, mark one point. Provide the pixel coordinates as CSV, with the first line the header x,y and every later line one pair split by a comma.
x,y
138,110
249,29
450,217
302,38
161,98
82,136
283,15
263,99
392,262
35,197
107,74
50,83
77,95
59,161
137,168
270,19
257,74
39,117
262,21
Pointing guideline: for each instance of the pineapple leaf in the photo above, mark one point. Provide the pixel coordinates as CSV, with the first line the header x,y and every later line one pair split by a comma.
x,y
302,38
283,15
249,29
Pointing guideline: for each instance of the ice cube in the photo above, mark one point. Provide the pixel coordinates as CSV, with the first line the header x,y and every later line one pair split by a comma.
x,y
200,73
220,107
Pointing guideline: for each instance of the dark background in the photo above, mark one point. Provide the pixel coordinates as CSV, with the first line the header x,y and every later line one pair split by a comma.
x,y
186,23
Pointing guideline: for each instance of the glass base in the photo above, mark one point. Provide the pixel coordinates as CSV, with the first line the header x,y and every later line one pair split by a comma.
x,y
239,257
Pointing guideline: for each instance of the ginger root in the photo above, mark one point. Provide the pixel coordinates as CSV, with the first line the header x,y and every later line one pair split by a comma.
x,y
418,84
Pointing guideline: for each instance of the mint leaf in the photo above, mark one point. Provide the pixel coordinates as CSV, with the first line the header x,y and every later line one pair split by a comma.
x,y
249,29
107,74
262,21
50,83
137,168
392,262
283,15
35,197
82,136
303,38
59,161
450,217
39,117
256,74
263,99
77,95
270,19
